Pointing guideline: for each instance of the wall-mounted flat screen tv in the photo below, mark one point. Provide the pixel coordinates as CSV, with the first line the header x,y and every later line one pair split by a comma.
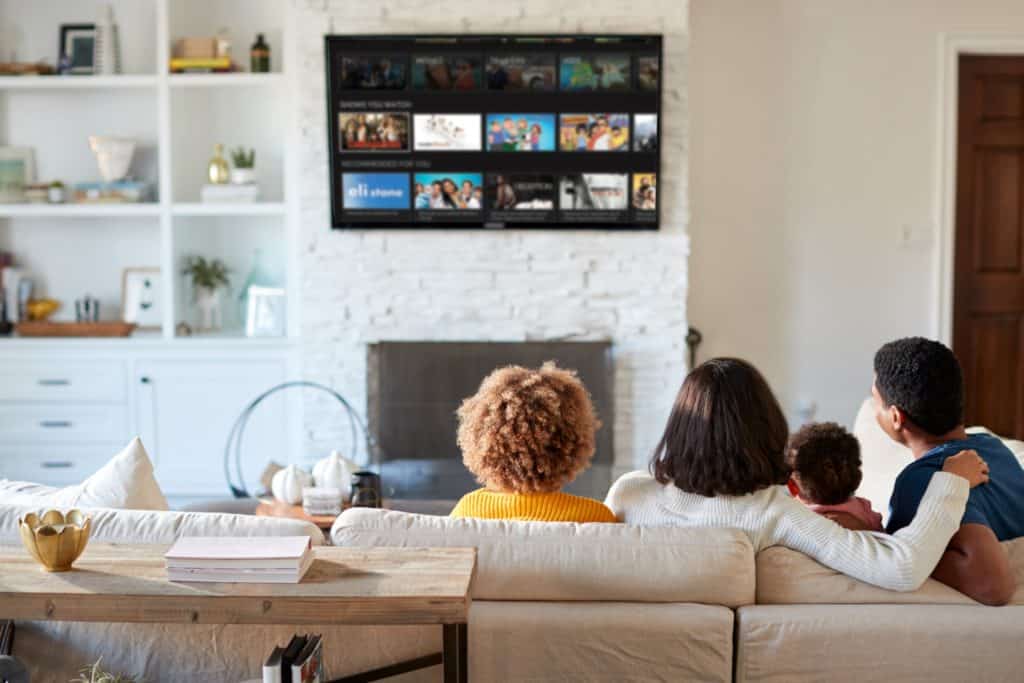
x,y
494,131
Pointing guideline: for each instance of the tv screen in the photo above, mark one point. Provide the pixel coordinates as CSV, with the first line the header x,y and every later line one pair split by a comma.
x,y
513,131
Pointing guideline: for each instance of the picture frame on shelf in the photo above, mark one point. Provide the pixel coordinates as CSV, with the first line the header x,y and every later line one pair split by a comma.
x,y
141,298
78,44
17,170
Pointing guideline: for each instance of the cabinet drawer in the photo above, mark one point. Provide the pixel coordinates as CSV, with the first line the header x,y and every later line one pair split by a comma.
x,y
56,465
102,380
63,422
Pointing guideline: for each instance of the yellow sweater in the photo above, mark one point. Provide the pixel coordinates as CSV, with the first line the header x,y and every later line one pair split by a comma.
x,y
532,507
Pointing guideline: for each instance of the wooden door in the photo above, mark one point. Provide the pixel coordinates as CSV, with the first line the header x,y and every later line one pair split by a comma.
x,y
988,300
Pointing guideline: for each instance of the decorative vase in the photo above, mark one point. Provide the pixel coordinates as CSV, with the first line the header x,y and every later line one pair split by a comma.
x,y
113,156
217,171
208,302
335,472
55,540
288,483
243,176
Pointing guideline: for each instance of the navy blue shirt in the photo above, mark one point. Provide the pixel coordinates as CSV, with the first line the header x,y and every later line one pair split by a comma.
x,y
999,504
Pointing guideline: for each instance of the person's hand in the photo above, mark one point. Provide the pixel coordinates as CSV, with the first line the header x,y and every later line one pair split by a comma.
x,y
969,465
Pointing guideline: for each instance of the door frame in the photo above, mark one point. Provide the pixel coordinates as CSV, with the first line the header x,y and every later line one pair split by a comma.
x,y
951,46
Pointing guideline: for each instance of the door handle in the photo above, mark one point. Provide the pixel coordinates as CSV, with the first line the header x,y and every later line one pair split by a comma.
x,y
55,424
57,464
54,382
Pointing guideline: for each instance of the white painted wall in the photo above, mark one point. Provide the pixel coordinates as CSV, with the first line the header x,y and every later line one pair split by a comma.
x,y
814,141
361,287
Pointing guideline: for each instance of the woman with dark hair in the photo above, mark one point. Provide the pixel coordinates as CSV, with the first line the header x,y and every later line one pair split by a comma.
x,y
720,463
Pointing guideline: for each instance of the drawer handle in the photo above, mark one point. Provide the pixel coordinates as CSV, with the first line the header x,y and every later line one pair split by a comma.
x,y
57,464
54,382
55,424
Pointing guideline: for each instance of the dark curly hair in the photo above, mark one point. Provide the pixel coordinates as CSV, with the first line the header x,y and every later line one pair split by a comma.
x,y
726,434
528,431
826,460
923,379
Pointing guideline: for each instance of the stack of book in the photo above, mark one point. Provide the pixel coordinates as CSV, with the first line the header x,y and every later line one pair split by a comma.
x,y
300,661
200,65
248,192
265,559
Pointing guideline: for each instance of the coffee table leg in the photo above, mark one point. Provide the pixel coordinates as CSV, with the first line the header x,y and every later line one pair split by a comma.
x,y
456,653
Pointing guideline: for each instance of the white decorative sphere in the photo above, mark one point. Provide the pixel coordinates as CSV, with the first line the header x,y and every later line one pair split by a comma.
x,y
335,472
288,483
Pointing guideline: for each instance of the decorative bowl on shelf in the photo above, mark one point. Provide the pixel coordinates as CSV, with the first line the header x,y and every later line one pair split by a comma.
x,y
56,539
113,156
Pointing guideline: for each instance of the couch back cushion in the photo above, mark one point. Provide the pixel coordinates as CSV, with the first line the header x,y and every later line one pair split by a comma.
x,y
786,576
163,527
568,562
125,482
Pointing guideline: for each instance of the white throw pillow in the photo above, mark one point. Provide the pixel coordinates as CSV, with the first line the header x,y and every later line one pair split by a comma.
x,y
126,483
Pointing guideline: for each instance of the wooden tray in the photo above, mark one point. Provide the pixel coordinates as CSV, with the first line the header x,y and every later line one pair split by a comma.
x,y
45,328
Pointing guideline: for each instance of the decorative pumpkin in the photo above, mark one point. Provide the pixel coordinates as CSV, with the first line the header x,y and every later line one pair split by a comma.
x,y
335,472
287,484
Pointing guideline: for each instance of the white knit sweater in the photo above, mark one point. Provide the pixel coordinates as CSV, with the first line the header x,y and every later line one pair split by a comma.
x,y
771,516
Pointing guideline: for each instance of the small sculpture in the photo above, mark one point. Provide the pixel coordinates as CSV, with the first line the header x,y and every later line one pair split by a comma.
x,y
113,156
287,484
218,172
335,472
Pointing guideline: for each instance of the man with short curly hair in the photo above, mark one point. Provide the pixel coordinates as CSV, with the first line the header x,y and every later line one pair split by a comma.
x,y
525,434
918,395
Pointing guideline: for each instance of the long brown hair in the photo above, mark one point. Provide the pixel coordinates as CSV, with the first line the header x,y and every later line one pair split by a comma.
x,y
726,434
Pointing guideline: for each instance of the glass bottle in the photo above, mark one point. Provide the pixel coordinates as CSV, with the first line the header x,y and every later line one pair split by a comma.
x,y
259,56
218,172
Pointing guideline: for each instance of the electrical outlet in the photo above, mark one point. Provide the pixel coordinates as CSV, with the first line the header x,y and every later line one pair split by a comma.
x,y
915,236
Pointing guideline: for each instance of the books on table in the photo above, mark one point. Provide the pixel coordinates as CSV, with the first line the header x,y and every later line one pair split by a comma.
x,y
300,661
262,559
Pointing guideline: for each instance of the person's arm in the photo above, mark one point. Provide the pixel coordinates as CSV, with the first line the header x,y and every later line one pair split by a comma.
x,y
848,521
977,565
903,561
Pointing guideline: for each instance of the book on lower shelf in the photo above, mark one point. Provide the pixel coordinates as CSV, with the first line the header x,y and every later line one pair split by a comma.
x,y
232,194
261,559
300,661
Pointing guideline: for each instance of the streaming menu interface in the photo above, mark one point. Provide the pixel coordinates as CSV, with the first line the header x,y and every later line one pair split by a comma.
x,y
494,131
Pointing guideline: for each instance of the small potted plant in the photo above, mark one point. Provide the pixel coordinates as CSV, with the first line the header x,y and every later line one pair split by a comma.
x,y
56,192
208,279
244,171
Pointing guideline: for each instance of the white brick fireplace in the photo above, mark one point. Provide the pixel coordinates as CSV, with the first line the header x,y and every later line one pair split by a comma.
x,y
359,287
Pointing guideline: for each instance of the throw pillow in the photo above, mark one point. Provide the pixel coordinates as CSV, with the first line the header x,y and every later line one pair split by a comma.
x,y
126,482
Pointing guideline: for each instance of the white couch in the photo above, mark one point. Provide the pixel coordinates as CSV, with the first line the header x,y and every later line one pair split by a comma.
x,y
557,602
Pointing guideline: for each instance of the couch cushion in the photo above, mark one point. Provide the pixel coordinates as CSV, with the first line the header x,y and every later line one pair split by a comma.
x,y
125,482
161,526
926,643
599,641
566,561
786,576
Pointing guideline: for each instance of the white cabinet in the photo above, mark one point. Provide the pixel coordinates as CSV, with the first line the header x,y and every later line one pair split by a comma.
x,y
67,407
185,410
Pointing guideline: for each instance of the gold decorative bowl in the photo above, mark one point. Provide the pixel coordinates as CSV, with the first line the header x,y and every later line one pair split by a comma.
x,y
55,539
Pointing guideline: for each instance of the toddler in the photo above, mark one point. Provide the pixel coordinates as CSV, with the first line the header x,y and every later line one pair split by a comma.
x,y
525,434
825,463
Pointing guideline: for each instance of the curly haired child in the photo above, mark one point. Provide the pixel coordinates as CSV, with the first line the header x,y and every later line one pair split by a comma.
x,y
825,463
525,434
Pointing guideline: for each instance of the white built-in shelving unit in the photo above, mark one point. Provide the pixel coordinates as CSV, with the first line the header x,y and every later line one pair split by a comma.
x,y
71,250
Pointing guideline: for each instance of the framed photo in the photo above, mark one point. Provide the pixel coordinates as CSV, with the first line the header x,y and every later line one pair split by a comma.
x,y
141,298
77,42
17,169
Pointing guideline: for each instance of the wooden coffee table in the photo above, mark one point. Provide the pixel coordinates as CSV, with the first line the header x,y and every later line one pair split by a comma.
x,y
378,586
